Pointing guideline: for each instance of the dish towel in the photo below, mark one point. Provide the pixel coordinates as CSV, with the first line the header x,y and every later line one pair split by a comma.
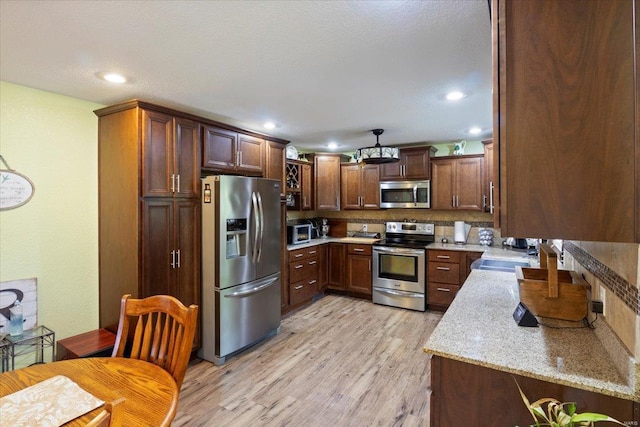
x,y
49,403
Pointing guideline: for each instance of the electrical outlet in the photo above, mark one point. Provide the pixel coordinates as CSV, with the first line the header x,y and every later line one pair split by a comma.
x,y
364,227
603,295
596,307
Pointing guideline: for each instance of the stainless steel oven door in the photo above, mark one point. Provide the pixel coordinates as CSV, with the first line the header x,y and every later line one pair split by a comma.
x,y
400,269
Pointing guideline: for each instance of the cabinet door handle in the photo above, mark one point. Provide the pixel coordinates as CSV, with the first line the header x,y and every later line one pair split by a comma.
x,y
304,200
491,197
173,183
239,158
484,202
443,289
173,259
297,288
299,266
178,179
453,201
443,268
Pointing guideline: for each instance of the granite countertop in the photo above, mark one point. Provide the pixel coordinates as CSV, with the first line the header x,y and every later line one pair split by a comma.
x,y
478,328
323,241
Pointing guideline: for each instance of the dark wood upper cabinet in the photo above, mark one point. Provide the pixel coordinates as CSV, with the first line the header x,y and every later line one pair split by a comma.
x,y
360,186
275,163
171,153
229,151
327,181
456,183
567,118
489,172
414,164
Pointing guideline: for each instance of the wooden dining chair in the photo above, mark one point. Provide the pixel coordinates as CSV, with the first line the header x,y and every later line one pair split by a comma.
x,y
163,330
111,416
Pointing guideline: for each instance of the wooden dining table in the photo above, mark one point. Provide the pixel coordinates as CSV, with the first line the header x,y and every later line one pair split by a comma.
x,y
151,392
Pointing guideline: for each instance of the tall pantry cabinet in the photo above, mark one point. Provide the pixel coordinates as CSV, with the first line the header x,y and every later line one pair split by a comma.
x,y
149,206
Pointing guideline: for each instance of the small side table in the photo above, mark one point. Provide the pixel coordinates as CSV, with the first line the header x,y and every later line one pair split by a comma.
x,y
32,340
97,343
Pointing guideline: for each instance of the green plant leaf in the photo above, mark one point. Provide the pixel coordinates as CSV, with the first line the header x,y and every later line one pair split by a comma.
x,y
593,417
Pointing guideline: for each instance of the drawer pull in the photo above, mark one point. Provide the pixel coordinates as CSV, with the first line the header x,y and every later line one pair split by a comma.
x,y
443,256
312,282
443,268
312,262
297,288
298,255
299,266
312,252
358,250
443,289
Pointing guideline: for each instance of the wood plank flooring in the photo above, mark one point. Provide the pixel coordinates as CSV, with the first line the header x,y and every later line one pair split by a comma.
x,y
338,362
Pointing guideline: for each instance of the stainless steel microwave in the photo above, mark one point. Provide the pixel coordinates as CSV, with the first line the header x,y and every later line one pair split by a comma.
x,y
405,194
298,233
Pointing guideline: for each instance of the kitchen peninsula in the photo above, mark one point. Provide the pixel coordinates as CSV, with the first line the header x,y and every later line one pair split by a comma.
x,y
478,347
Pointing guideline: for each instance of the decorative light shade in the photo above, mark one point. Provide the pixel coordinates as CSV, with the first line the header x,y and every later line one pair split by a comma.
x,y
377,154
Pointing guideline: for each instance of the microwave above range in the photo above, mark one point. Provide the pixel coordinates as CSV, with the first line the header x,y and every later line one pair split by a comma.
x,y
405,194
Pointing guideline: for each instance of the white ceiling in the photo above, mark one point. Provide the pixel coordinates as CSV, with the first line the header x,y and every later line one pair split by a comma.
x,y
322,70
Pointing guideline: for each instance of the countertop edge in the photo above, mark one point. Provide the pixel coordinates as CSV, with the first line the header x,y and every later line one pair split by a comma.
x,y
613,389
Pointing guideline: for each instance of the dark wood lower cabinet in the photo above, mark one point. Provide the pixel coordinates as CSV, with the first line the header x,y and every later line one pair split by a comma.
x,y
337,257
359,269
462,394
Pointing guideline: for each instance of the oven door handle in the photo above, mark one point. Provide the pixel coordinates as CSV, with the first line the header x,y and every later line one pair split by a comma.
x,y
398,251
400,293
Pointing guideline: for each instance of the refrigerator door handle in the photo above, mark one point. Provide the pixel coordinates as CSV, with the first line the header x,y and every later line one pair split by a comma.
x,y
261,217
258,288
256,223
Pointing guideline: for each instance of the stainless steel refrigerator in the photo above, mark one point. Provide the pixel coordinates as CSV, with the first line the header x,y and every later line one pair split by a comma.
x,y
240,264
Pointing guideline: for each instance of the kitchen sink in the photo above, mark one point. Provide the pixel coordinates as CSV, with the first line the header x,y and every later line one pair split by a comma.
x,y
497,265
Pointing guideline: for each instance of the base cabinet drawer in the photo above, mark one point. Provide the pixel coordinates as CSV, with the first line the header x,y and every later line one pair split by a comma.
x,y
444,272
303,290
441,294
303,269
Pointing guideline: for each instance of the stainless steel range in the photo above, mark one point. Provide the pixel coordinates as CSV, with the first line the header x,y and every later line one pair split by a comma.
x,y
399,265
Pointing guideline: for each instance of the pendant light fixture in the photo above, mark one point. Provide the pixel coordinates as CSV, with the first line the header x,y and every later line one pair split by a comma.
x,y
377,154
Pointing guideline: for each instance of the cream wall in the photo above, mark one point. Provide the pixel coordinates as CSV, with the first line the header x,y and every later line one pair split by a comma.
x,y
52,139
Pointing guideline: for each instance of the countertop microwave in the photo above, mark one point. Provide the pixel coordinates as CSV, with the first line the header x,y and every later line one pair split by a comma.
x,y
405,194
298,233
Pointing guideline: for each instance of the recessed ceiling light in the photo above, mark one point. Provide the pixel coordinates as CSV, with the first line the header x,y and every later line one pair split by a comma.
x,y
455,95
332,145
475,131
114,78
269,125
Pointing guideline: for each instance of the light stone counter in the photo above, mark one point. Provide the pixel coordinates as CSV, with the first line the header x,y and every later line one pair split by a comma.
x,y
321,241
478,328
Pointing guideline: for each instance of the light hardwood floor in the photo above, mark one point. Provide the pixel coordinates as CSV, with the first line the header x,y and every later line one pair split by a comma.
x,y
338,362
